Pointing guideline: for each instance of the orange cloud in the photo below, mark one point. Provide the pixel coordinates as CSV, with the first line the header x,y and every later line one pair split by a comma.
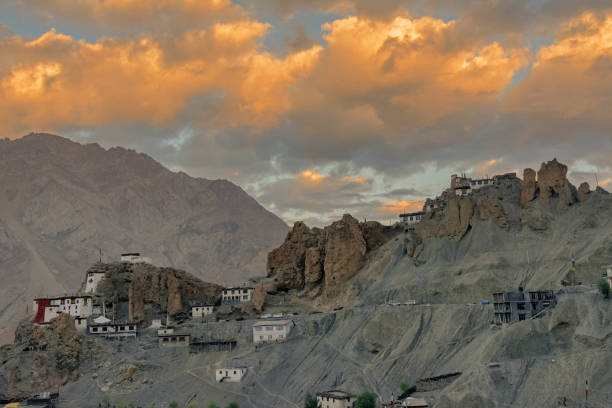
x,y
61,81
396,207
126,13
311,176
403,72
570,78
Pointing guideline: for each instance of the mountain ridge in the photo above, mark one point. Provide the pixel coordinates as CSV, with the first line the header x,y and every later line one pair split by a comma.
x,y
62,201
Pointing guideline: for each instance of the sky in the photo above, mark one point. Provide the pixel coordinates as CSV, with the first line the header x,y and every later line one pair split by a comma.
x,y
319,107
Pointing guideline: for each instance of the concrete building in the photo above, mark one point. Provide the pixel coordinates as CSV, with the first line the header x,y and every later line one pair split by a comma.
x,y
237,295
201,311
271,330
434,204
173,340
134,258
92,280
335,399
46,309
406,402
113,330
230,374
410,219
512,307
475,184
165,331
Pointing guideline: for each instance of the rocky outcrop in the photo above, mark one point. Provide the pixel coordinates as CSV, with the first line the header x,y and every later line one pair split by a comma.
x,y
453,224
492,208
552,182
331,255
530,186
42,358
147,288
345,250
583,192
259,298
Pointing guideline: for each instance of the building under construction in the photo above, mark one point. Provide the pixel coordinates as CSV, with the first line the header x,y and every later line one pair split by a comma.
x,y
512,307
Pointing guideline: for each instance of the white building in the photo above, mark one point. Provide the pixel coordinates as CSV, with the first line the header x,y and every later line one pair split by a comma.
x,y
113,330
412,218
462,190
236,295
201,311
165,331
155,324
92,280
271,330
335,399
608,274
230,374
47,309
475,184
134,258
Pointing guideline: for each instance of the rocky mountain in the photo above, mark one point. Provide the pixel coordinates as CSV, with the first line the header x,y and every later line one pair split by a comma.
x,y
60,202
362,332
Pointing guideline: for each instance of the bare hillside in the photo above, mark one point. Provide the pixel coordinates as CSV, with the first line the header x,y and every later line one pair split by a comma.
x,y
61,201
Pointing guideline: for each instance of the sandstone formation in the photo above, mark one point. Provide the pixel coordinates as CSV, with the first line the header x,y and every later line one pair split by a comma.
x,y
492,208
60,201
41,359
165,290
259,298
530,186
552,182
583,191
331,255
453,224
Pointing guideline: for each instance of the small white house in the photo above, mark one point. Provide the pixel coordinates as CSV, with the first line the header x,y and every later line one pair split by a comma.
x,y
156,324
608,274
201,311
80,323
92,280
271,330
236,295
475,184
134,258
113,330
335,399
412,218
230,374
46,309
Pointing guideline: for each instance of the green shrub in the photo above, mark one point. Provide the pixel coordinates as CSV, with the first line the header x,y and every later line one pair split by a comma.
x,y
311,402
365,400
233,405
173,404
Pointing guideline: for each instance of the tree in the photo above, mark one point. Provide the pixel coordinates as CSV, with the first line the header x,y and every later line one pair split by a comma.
x,y
213,405
406,388
173,404
604,288
233,405
311,402
192,405
365,400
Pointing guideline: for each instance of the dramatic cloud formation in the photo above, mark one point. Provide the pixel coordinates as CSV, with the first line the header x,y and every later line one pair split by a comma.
x,y
319,107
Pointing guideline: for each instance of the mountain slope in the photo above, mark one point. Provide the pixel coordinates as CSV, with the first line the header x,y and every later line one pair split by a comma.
x,y
60,202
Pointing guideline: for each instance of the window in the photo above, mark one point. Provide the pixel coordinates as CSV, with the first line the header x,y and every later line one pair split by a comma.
x,y
269,328
279,328
165,340
245,297
105,329
521,317
479,182
258,328
94,329
260,337
131,327
73,301
486,182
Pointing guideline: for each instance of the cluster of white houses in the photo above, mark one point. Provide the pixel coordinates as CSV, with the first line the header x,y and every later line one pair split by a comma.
x,y
460,186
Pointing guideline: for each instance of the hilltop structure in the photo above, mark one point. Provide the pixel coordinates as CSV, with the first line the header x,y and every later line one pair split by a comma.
x,y
512,307
271,330
335,399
